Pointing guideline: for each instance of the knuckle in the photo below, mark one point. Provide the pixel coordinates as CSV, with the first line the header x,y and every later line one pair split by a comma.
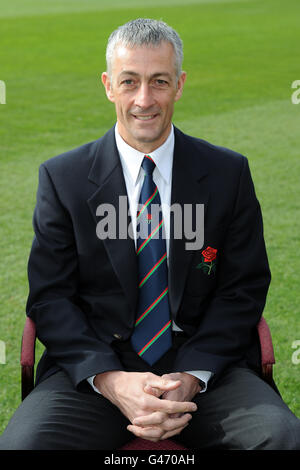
x,y
167,426
139,413
143,403
138,432
148,375
157,432
172,408
162,416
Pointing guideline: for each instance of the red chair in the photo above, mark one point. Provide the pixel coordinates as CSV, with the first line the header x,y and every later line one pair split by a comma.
x,y
27,378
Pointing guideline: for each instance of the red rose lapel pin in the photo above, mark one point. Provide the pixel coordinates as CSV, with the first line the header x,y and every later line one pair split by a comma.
x,y
208,263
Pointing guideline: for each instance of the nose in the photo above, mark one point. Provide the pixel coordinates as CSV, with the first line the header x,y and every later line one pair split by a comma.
x,y
144,96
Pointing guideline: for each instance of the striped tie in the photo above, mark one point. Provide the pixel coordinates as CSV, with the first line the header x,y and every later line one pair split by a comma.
x,y
152,335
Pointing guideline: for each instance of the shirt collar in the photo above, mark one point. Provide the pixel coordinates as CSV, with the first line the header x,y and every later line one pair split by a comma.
x,y
131,159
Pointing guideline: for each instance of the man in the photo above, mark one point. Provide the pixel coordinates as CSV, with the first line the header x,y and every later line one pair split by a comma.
x,y
149,336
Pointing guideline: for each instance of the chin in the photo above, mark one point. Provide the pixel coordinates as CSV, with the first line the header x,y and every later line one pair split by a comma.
x,y
147,137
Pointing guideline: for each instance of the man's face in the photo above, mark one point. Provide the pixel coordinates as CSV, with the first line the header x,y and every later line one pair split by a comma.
x,y
144,87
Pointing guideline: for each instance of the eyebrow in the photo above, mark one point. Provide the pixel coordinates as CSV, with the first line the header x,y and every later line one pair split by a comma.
x,y
155,75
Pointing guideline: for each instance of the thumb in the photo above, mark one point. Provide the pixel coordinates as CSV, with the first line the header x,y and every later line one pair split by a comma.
x,y
158,387
153,391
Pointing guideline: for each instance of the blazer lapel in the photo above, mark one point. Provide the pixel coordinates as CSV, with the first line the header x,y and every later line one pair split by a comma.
x,y
107,173
190,186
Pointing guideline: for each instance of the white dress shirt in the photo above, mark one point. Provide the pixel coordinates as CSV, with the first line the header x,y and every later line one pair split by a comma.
x,y
131,161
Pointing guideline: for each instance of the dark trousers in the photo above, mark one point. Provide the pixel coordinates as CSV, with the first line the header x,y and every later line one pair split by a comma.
x,y
239,411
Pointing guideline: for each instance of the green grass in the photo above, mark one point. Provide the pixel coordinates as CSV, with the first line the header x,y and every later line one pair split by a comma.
x,y
241,58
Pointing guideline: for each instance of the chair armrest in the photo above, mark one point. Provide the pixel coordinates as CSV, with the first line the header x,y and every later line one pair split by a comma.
x,y
267,351
28,343
28,357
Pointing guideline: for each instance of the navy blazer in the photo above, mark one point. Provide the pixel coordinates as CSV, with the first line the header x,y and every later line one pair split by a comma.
x,y
83,290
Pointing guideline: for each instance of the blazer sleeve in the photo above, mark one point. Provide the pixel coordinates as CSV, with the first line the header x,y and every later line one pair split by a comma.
x,y
52,304
227,328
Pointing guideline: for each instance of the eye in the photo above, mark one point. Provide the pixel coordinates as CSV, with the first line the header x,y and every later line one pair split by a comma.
x,y
127,82
161,83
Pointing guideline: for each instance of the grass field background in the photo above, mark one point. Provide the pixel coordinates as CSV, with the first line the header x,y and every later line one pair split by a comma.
x,y
241,58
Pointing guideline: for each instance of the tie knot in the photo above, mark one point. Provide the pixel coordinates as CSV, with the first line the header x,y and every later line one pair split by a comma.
x,y
148,165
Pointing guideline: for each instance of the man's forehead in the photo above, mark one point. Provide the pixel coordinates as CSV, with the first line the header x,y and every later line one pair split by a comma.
x,y
136,59
126,52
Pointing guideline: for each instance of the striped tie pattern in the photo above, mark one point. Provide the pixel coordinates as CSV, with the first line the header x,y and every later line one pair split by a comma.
x,y
152,334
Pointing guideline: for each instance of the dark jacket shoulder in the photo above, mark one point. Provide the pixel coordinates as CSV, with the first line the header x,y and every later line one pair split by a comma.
x,y
215,159
207,149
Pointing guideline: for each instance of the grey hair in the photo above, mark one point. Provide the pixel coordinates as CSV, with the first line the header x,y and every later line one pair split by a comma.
x,y
140,32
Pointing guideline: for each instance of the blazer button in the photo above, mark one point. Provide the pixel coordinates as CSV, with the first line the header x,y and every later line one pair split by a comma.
x,y
117,336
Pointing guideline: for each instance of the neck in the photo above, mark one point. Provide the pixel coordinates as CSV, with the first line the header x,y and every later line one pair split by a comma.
x,y
145,147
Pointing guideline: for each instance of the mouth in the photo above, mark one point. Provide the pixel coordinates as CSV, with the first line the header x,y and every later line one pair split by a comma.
x,y
143,117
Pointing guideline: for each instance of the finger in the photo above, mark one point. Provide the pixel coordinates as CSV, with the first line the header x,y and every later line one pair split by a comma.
x,y
172,433
175,415
172,376
150,432
163,384
176,423
173,395
162,419
171,407
173,426
155,433
158,417
157,392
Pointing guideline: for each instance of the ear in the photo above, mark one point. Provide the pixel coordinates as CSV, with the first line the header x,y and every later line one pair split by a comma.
x,y
108,87
180,85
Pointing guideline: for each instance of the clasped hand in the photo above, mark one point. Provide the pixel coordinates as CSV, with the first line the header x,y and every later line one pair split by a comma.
x,y
157,407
